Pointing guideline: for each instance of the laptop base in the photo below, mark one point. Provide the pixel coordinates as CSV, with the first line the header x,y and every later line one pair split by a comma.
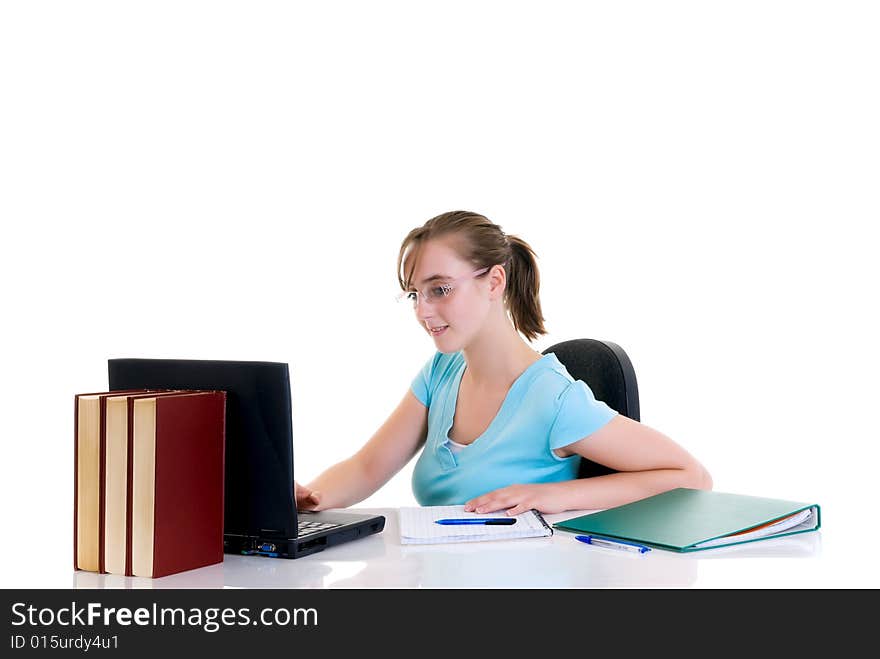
x,y
272,546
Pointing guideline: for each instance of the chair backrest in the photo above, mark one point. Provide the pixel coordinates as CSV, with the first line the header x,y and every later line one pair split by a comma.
x,y
609,373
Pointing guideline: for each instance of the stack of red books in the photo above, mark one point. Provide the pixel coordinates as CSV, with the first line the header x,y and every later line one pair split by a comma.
x,y
148,481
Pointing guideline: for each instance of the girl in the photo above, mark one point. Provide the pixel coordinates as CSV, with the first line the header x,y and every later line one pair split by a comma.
x,y
499,425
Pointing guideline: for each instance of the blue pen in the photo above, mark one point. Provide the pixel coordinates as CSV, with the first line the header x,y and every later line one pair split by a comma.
x,y
612,544
489,521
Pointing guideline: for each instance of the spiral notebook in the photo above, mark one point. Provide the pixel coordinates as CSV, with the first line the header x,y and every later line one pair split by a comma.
x,y
418,526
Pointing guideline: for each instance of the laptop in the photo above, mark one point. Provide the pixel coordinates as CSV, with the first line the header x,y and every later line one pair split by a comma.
x,y
260,516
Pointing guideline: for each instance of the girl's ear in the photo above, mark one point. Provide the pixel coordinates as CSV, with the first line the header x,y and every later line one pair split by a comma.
x,y
497,282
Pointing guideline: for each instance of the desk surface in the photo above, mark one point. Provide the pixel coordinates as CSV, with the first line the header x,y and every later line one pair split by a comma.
x,y
380,561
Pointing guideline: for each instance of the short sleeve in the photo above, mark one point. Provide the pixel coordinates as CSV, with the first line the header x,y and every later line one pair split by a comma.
x,y
579,415
421,384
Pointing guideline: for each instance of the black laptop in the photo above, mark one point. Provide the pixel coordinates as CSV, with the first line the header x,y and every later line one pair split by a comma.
x,y
260,511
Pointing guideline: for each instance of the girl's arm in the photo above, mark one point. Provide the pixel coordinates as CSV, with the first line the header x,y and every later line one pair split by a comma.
x,y
649,463
388,450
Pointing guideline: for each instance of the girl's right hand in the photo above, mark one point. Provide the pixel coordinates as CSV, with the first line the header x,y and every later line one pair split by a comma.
x,y
306,499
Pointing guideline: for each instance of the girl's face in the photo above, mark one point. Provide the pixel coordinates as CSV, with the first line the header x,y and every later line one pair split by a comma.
x,y
450,297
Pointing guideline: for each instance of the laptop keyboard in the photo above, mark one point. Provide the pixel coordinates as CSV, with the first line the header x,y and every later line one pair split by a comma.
x,y
307,528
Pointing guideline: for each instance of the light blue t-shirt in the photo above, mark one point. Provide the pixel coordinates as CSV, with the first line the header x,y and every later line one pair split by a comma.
x,y
545,409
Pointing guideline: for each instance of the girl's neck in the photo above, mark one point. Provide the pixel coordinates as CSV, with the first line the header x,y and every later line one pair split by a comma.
x,y
496,360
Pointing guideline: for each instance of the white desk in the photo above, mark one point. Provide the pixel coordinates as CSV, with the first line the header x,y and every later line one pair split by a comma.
x,y
380,561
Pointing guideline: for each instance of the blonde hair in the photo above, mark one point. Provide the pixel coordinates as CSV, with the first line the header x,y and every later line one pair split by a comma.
x,y
484,244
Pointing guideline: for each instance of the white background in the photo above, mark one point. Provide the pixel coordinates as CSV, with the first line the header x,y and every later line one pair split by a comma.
x,y
232,180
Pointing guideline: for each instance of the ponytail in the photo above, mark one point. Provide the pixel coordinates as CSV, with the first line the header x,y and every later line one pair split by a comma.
x,y
523,284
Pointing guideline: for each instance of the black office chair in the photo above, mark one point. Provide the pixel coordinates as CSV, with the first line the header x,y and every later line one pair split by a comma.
x,y
609,373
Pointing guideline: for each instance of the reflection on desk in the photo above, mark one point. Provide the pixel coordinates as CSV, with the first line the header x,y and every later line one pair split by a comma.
x,y
380,561
210,576
802,545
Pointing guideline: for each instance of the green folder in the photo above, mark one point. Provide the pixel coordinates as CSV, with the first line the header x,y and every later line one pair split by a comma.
x,y
690,520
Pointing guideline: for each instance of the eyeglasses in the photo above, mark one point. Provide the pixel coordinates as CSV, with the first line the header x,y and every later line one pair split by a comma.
x,y
438,292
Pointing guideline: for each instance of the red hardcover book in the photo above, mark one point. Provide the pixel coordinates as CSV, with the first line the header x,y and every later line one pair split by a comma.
x,y
177,478
89,418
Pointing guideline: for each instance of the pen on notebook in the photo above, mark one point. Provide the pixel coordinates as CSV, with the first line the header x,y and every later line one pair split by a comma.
x,y
612,544
489,521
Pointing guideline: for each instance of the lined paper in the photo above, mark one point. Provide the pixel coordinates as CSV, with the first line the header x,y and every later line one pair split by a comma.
x,y
417,526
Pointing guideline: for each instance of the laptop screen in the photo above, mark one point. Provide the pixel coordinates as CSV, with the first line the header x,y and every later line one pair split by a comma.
x,y
258,498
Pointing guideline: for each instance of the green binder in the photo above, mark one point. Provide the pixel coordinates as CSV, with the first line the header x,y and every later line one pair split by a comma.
x,y
690,520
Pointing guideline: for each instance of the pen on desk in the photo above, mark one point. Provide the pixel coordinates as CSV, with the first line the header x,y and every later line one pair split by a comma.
x,y
612,544
488,521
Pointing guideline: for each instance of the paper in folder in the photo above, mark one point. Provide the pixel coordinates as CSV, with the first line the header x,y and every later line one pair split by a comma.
x,y
686,520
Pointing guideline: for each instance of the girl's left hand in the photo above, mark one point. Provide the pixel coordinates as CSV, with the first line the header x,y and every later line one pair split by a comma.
x,y
545,497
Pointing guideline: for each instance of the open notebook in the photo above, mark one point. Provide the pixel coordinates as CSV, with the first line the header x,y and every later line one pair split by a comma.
x,y
418,526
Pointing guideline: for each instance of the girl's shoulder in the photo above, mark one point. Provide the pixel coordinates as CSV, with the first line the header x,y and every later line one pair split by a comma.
x,y
551,378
